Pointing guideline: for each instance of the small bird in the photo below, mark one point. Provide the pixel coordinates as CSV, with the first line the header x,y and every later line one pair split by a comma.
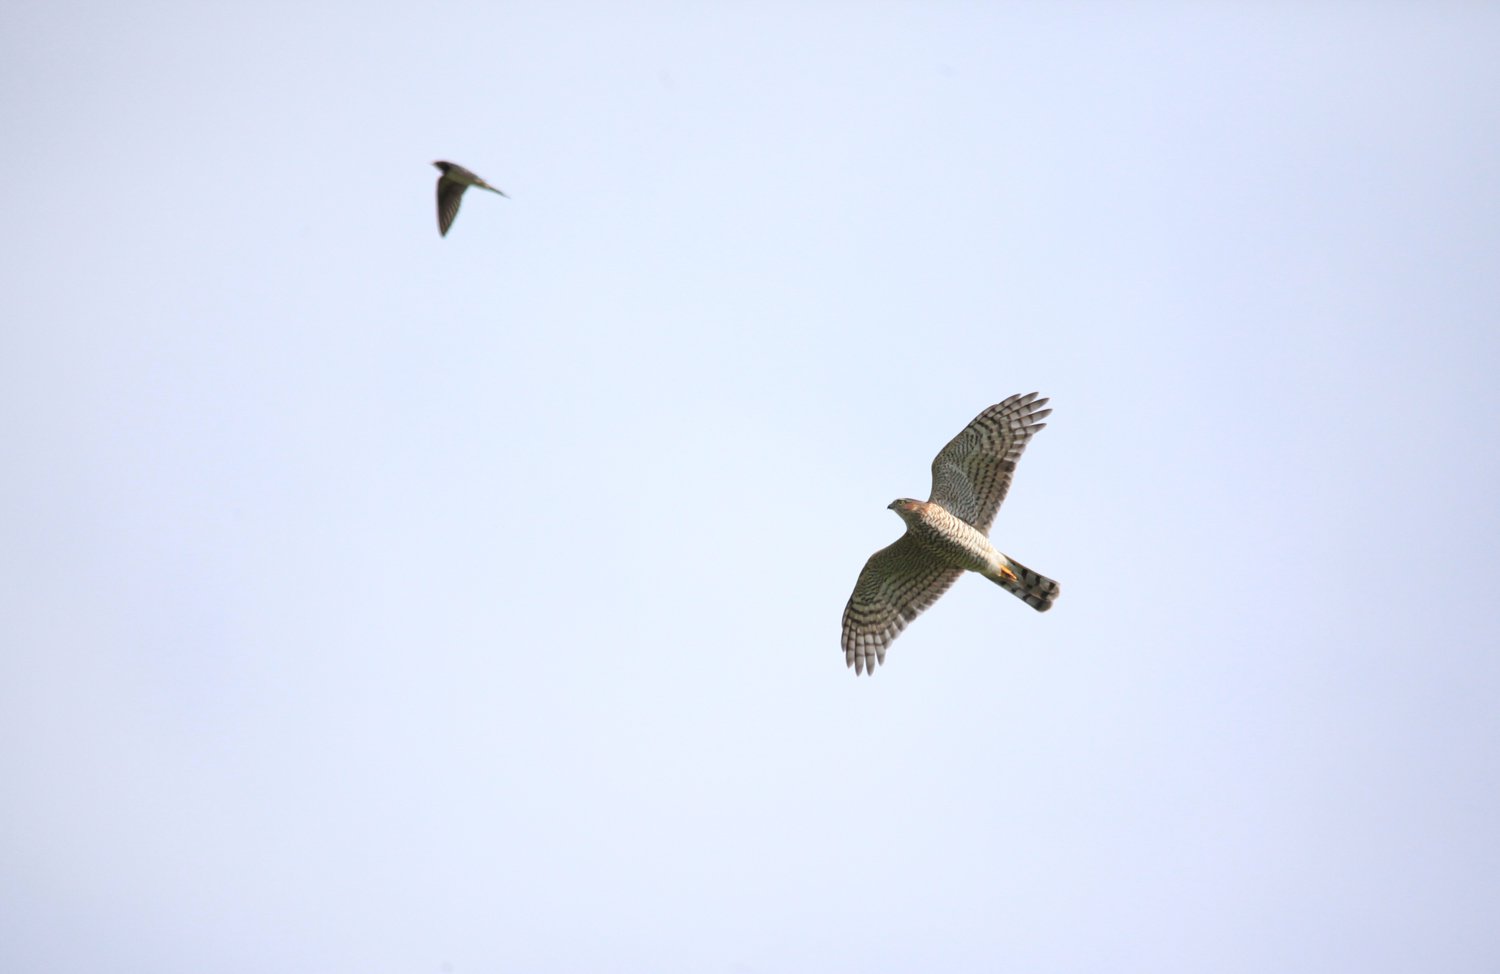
x,y
946,534
450,190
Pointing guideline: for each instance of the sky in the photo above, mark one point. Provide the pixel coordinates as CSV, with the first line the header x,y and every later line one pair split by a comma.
x,y
376,601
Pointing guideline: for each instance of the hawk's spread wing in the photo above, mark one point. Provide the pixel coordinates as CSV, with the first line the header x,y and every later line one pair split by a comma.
x,y
449,194
972,473
897,583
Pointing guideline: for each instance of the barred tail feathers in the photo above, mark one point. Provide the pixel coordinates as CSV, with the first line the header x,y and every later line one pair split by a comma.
x,y
1037,591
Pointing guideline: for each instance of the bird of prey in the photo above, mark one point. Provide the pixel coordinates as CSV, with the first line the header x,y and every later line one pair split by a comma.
x,y
450,190
947,534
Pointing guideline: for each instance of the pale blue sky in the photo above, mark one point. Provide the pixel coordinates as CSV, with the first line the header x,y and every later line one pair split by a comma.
x,y
378,602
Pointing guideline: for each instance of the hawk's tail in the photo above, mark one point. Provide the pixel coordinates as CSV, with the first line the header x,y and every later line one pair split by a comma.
x,y
1037,591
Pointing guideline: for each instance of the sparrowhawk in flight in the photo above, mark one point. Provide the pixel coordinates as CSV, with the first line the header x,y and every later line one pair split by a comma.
x,y
947,534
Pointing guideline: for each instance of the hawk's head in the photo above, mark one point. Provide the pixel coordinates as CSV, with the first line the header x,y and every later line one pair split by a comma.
x,y
904,506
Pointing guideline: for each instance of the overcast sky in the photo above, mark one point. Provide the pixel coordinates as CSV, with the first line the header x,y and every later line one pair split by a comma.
x,y
372,601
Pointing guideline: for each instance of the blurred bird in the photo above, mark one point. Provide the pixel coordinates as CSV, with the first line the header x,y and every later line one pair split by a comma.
x,y
450,190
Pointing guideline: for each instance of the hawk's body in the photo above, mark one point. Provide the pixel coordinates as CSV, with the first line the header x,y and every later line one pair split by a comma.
x,y
946,534
947,538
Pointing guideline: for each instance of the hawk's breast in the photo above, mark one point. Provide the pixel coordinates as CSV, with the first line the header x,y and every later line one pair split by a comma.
x,y
951,539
